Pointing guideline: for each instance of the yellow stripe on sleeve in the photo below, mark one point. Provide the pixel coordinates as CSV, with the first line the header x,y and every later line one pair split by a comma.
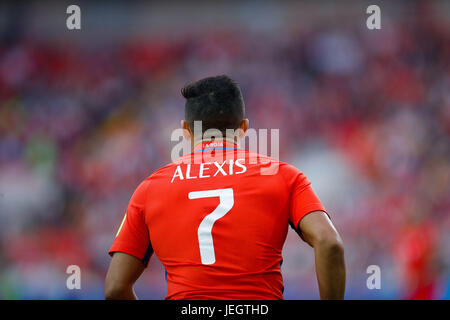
x,y
121,224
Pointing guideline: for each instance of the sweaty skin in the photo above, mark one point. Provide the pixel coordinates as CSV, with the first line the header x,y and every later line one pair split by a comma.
x,y
123,272
318,231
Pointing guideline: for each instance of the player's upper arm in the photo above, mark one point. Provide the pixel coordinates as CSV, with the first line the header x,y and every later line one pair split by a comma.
x,y
123,272
317,229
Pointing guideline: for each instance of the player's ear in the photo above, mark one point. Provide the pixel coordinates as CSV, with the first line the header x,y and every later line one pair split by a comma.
x,y
186,130
243,127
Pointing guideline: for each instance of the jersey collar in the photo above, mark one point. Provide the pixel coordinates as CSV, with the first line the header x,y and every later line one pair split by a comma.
x,y
215,145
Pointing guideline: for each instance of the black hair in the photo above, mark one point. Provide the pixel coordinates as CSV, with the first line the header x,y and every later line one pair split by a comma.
x,y
216,101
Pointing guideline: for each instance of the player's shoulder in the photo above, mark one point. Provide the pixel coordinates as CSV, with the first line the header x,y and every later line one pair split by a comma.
x,y
270,166
284,167
161,172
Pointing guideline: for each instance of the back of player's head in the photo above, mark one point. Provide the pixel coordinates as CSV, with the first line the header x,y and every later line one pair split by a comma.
x,y
216,101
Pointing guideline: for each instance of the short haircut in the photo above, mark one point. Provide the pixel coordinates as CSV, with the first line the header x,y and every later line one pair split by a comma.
x,y
216,101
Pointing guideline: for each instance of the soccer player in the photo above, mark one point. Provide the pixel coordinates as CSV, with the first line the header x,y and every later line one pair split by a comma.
x,y
217,218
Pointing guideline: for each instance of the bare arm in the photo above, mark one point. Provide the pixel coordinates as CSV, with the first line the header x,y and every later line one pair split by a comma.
x,y
123,272
318,231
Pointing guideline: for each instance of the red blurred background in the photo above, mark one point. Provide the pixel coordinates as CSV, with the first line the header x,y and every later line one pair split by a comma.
x,y
85,115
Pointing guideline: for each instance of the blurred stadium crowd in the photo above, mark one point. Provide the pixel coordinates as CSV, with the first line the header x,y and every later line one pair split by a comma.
x,y
82,124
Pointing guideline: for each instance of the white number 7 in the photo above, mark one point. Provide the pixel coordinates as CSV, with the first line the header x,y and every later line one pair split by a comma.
x,y
205,239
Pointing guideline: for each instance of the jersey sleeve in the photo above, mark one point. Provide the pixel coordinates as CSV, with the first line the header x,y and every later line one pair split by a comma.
x,y
133,237
303,198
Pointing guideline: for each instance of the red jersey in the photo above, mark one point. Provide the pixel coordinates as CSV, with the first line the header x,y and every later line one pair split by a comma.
x,y
217,219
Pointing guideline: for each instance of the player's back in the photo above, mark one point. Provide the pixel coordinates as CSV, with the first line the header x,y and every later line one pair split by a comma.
x,y
218,219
